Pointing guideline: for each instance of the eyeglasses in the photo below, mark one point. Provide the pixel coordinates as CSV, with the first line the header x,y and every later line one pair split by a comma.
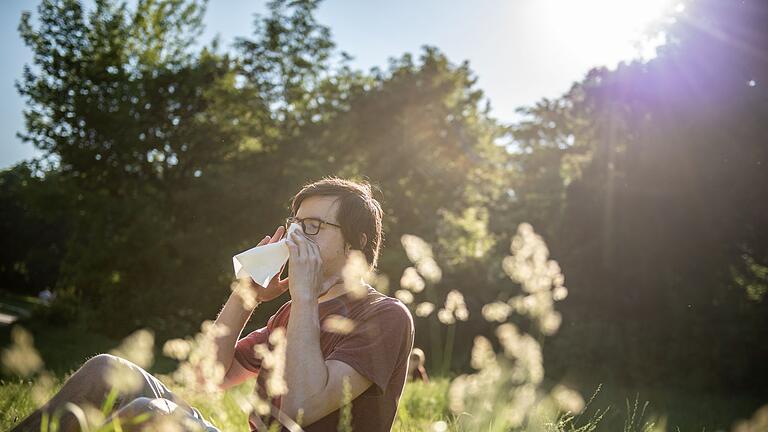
x,y
311,226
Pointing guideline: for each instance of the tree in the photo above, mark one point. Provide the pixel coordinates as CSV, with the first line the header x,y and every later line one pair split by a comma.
x,y
668,204
118,98
132,114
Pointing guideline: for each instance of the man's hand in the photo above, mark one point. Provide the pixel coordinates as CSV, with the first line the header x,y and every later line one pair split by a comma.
x,y
276,286
306,267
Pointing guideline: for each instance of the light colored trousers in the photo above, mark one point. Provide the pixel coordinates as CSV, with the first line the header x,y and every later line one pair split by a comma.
x,y
156,398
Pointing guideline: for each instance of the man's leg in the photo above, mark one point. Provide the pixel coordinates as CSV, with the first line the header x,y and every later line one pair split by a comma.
x,y
159,414
90,386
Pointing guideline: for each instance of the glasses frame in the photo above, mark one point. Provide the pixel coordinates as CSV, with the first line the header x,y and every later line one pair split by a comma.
x,y
293,219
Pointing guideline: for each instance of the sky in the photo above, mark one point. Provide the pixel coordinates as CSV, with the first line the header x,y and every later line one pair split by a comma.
x,y
520,50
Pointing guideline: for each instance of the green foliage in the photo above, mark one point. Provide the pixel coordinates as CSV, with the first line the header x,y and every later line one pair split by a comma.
x,y
754,279
422,404
116,97
649,182
36,217
464,238
160,143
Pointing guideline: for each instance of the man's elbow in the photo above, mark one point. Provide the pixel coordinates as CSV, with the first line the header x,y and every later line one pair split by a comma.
x,y
307,408
304,414
236,374
292,405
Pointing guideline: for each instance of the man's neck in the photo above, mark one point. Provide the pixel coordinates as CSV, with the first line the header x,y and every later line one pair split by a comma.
x,y
335,291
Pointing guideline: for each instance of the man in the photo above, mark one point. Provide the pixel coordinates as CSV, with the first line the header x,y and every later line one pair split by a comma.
x,y
369,363
416,369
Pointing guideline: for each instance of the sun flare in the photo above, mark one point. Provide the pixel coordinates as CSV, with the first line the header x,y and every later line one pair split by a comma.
x,y
609,30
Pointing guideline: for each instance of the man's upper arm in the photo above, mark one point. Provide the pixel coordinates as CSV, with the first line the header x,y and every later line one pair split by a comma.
x,y
332,397
236,375
338,371
379,344
245,362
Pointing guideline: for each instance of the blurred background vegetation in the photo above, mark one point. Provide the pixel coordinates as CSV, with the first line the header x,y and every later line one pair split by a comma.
x,y
164,158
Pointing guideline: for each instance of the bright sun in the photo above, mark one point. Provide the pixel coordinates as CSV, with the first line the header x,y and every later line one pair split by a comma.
x,y
605,30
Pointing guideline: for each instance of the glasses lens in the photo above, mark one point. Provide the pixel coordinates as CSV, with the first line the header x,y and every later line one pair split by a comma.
x,y
311,226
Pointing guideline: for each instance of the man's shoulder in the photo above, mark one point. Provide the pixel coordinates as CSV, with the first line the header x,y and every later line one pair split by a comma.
x,y
390,304
280,317
387,307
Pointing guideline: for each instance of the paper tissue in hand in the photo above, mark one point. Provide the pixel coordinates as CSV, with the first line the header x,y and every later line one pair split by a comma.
x,y
262,263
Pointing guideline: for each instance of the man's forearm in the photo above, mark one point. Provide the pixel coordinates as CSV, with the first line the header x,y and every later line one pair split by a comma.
x,y
231,321
305,371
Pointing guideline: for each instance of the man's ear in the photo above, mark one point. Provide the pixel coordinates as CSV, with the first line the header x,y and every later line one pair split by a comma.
x,y
363,240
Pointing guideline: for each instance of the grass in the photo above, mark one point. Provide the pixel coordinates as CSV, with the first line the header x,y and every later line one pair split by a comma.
x,y
423,405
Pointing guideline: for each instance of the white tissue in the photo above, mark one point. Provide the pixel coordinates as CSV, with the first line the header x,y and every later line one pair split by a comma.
x,y
262,263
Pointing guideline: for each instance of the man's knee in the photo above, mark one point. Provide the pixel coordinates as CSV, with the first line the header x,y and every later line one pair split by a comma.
x,y
95,371
104,370
101,363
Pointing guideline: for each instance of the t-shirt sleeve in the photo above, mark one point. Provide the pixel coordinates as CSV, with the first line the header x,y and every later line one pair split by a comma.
x,y
379,344
244,352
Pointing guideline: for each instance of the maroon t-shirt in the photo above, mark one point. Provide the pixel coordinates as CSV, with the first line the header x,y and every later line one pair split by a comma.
x,y
378,348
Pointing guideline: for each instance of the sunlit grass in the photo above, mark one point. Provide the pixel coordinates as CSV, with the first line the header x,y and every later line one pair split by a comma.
x,y
423,407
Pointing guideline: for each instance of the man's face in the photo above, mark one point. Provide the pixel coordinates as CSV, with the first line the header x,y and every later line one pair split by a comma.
x,y
329,238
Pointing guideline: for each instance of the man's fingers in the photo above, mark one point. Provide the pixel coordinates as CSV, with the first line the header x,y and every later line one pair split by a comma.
x,y
275,279
314,249
274,237
293,248
309,249
295,239
278,234
283,284
306,247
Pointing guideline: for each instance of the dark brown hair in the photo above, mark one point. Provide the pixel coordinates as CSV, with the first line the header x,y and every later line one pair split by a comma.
x,y
358,212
